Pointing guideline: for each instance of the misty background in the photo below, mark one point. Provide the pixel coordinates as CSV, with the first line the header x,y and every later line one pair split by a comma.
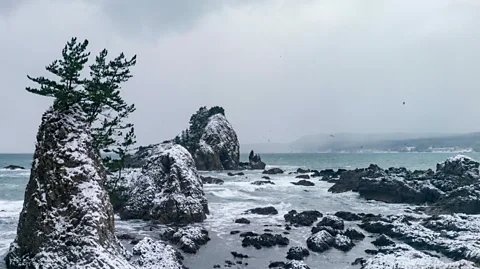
x,y
281,69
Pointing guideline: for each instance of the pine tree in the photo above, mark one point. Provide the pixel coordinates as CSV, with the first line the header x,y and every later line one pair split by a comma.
x,y
98,96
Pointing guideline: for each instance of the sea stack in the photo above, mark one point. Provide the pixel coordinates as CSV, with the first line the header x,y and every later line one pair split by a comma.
x,y
67,220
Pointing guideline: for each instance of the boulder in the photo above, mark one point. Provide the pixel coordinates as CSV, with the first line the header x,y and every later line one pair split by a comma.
x,y
235,174
383,241
303,182
348,216
266,177
168,189
456,172
296,265
305,218
303,176
262,182
329,229
269,210
265,240
188,239
218,148
212,180
273,171
150,254
343,243
297,253
302,171
67,219
320,241
14,167
239,255
242,221
332,221
353,234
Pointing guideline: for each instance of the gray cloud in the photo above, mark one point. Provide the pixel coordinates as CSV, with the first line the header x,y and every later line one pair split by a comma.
x,y
281,70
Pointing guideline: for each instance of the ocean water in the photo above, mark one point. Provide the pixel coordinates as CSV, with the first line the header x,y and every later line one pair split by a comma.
x,y
229,201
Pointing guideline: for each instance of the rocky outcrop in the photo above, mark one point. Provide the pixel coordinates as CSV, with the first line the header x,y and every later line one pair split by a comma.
x,y
150,254
273,171
321,241
212,180
297,253
188,239
264,240
269,210
454,187
141,155
305,218
255,161
67,220
14,167
167,189
218,148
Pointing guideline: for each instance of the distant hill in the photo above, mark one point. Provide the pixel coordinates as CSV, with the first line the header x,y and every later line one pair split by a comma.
x,y
392,142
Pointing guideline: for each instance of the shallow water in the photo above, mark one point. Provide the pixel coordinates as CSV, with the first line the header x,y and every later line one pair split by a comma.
x,y
228,202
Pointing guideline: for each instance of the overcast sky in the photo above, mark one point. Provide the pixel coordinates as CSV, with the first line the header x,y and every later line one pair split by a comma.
x,y
281,69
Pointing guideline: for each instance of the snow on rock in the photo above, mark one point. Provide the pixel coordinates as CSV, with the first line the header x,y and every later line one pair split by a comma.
x,y
141,155
67,220
404,257
321,241
168,189
296,265
219,148
150,254
343,243
188,239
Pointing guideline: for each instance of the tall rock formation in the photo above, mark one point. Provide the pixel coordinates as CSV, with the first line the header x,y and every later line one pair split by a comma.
x,y
67,219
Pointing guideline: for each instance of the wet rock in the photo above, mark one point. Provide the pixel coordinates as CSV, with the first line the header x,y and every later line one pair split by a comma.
x,y
242,221
255,162
277,265
235,174
332,221
211,180
329,229
67,205
265,240
320,241
348,216
239,255
269,210
305,218
273,171
462,200
371,251
303,176
297,253
343,243
149,254
188,239
263,182
354,234
296,265
359,261
303,171
14,167
265,177
304,183
126,237
383,241
245,234
456,172
234,232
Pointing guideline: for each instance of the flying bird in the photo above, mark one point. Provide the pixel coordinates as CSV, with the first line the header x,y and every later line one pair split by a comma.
x,y
403,103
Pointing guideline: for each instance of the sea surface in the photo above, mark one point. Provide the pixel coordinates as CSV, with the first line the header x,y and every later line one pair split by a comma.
x,y
229,201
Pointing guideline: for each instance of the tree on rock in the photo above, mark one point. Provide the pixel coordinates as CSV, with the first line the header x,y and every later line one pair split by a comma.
x,y
98,96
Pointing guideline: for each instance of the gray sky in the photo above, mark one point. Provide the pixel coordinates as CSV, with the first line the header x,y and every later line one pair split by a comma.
x,y
281,69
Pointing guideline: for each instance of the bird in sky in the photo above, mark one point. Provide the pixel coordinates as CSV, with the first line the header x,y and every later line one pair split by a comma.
x,y
403,103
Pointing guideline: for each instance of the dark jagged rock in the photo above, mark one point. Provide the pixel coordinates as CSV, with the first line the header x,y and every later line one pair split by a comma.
x,y
212,180
265,240
456,172
383,241
263,182
320,241
462,200
348,216
371,251
304,182
235,174
151,254
234,232
296,265
266,177
305,218
255,162
273,171
14,167
343,243
269,210
303,176
277,265
332,221
66,205
167,189
303,171
242,221
354,234
188,239
239,255
297,253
